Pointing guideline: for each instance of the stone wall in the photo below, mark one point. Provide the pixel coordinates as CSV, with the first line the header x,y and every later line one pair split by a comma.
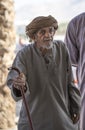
x,y
7,45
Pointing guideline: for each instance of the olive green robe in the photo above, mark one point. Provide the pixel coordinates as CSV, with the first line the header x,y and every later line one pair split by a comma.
x,y
50,90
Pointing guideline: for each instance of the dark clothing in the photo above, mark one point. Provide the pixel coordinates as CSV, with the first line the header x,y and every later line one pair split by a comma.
x,y
75,41
50,88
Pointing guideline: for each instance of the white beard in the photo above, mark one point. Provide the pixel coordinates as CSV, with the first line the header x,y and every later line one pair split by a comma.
x,y
46,46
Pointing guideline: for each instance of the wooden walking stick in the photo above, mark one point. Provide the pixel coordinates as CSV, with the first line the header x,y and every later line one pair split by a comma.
x,y
23,96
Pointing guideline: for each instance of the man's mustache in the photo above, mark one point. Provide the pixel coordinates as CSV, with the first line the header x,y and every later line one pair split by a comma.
x,y
48,39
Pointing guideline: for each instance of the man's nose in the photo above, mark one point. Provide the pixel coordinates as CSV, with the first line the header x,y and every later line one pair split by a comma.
x,y
47,34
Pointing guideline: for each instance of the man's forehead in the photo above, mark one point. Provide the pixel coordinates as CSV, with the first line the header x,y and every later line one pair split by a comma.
x,y
46,28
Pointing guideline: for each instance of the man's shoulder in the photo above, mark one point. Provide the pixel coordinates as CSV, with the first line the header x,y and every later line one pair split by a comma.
x,y
59,43
26,50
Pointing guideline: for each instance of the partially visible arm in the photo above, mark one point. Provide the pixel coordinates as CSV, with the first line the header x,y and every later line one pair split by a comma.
x,y
74,94
14,80
74,102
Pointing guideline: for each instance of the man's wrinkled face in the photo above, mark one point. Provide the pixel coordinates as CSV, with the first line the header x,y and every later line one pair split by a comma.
x,y
44,37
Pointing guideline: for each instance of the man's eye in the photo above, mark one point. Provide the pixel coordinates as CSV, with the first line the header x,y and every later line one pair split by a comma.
x,y
42,32
51,30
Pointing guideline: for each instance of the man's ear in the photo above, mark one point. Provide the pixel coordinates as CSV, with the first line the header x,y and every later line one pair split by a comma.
x,y
34,37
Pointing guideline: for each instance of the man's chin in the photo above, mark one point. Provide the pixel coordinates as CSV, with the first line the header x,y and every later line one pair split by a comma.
x,y
47,46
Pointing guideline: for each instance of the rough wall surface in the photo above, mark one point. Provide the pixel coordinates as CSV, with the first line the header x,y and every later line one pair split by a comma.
x,y
7,45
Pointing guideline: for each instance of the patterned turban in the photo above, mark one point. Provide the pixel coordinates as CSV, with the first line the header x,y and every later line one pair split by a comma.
x,y
40,22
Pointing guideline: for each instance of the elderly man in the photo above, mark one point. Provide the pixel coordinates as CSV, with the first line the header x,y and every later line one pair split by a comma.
x,y
54,101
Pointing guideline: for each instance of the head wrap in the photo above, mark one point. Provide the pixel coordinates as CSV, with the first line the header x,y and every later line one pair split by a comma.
x,y
40,22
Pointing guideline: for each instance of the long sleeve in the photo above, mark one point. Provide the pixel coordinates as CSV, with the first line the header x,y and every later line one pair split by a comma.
x,y
19,63
73,92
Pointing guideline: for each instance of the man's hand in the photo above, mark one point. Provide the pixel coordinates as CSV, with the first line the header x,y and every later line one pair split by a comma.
x,y
19,81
